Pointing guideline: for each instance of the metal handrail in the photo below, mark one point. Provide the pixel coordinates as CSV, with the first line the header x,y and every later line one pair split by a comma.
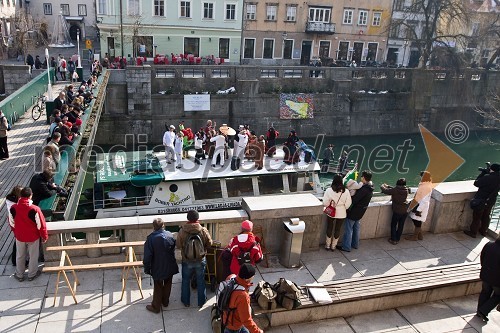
x,y
125,202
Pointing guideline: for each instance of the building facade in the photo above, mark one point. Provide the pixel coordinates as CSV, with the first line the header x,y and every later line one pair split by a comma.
x,y
406,30
80,16
133,28
291,32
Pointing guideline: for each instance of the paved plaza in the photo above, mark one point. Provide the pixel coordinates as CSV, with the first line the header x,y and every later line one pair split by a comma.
x,y
27,306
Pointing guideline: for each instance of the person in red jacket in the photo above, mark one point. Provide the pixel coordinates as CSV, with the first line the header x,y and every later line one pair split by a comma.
x,y
240,318
245,248
28,225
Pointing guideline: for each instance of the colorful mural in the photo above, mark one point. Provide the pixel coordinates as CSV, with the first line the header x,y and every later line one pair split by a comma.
x,y
296,106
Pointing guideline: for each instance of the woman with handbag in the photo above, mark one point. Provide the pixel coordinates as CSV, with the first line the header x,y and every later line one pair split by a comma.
x,y
336,201
419,207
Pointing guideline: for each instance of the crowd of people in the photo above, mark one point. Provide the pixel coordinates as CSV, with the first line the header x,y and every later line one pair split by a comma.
x,y
26,219
193,240
215,144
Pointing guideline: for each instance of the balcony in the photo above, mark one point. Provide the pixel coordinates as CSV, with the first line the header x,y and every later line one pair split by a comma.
x,y
320,28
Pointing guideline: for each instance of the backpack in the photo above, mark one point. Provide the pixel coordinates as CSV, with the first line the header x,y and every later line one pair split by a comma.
x,y
223,295
63,64
9,127
194,250
244,256
288,294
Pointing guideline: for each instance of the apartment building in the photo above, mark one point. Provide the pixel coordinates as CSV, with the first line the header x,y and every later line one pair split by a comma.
x,y
149,27
290,32
7,11
79,16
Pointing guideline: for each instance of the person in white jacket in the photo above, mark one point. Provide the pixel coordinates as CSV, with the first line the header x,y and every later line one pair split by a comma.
x,y
239,149
340,198
168,142
178,142
419,207
220,141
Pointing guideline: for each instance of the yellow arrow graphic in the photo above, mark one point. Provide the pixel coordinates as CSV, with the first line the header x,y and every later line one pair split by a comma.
x,y
443,161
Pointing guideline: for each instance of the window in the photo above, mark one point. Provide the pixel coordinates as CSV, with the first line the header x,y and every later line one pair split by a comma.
x,y
47,9
268,48
239,187
363,17
102,7
224,48
399,4
159,8
324,49
371,54
271,12
192,46
291,13
82,10
343,49
271,184
230,11
347,16
249,49
319,15
394,31
208,10
288,49
134,7
377,16
65,9
251,11
209,189
185,9
143,46
475,29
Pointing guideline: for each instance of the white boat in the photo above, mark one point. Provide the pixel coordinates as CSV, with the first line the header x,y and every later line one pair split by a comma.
x,y
143,183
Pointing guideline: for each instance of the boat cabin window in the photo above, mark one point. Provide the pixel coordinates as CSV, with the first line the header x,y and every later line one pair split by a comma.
x,y
239,187
300,181
271,184
207,189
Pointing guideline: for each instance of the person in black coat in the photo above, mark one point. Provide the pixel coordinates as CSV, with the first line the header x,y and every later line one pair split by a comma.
x,y
60,100
488,184
360,202
42,186
490,275
159,262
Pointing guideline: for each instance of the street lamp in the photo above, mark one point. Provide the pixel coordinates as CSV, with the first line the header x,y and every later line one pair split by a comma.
x,y
49,85
405,44
78,47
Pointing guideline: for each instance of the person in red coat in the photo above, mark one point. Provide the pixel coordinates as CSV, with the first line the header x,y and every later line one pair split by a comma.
x,y
28,225
245,248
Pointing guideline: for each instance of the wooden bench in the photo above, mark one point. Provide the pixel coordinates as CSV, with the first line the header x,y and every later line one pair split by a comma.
x,y
381,292
65,265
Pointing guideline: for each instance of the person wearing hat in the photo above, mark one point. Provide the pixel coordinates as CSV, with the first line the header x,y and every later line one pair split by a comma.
x,y
241,141
488,184
245,247
193,227
220,142
239,319
159,262
168,142
178,144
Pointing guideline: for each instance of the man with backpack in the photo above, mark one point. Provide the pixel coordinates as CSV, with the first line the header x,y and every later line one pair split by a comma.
x,y
193,240
234,302
159,262
245,248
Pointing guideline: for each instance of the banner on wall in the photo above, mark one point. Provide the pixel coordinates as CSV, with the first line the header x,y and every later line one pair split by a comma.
x,y
296,106
197,102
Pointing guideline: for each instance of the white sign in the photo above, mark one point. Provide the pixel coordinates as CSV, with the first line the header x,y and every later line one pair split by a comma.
x,y
197,102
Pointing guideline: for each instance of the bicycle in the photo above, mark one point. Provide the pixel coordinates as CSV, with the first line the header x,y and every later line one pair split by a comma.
x,y
39,107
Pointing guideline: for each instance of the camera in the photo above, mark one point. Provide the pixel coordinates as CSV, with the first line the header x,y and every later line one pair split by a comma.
x,y
487,169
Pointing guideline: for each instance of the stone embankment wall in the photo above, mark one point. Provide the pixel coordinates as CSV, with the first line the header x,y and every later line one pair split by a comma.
x,y
343,102
449,212
13,77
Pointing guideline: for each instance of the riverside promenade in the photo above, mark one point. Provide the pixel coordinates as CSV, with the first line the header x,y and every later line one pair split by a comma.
x,y
27,306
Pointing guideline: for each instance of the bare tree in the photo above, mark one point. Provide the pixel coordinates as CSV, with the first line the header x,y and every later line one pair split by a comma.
x,y
490,113
425,23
